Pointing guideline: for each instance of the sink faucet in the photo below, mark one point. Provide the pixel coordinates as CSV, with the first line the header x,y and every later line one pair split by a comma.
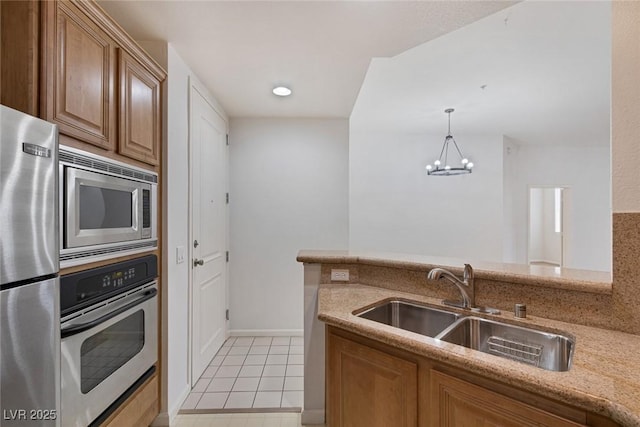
x,y
465,286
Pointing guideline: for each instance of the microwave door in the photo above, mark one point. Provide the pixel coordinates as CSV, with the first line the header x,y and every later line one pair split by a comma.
x,y
100,208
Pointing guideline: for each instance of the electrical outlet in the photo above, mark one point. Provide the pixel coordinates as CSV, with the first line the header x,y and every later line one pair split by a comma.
x,y
179,254
339,275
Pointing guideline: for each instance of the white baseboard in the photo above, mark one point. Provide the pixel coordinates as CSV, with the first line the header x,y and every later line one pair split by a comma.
x,y
162,420
546,261
313,416
183,396
166,419
266,332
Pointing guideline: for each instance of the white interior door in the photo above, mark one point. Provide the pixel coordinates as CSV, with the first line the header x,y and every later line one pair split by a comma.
x,y
208,230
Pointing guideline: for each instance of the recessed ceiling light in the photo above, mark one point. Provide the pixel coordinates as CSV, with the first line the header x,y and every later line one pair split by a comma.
x,y
281,91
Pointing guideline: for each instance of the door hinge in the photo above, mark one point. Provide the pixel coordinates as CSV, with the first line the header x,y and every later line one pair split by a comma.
x,y
227,139
227,198
227,256
227,314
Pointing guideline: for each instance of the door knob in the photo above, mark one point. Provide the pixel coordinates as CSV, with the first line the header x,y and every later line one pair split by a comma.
x,y
197,262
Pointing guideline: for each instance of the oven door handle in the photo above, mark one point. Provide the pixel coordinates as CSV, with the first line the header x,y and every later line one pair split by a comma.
x,y
76,329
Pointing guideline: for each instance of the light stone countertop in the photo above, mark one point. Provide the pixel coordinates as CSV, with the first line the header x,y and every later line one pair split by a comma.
x,y
598,282
604,377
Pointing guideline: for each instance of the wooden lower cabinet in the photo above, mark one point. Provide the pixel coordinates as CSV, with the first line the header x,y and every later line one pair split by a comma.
x,y
140,409
370,388
456,403
371,384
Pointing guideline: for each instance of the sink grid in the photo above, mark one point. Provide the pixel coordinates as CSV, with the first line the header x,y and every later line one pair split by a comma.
x,y
520,352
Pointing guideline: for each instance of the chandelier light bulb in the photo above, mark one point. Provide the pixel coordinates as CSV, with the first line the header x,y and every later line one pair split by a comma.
x,y
447,167
437,163
429,167
469,165
465,161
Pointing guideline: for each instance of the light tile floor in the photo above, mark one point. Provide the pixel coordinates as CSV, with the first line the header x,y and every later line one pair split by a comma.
x,y
240,420
249,373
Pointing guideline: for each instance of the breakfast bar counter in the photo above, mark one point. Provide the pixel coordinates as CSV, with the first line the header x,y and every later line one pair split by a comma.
x,y
604,377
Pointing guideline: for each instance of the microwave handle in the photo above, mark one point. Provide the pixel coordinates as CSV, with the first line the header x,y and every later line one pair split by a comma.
x,y
76,329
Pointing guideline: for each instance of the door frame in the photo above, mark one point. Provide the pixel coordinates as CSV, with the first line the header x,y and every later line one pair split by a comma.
x,y
195,85
566,224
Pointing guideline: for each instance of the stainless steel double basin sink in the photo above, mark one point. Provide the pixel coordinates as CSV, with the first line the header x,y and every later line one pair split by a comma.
x,y
534,347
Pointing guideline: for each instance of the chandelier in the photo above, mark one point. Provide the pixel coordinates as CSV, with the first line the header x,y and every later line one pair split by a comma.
x,y
442,165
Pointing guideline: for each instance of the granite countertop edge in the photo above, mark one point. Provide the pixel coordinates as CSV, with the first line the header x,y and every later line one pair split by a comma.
x,y
596,282
599,380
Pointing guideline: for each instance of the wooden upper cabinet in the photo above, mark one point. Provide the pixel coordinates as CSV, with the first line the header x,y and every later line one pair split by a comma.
x,y
96,83
456,402
140,114
19,62
79,77
369,388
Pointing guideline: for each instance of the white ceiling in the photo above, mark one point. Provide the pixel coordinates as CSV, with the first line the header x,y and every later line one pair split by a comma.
x,y
241,49
546,67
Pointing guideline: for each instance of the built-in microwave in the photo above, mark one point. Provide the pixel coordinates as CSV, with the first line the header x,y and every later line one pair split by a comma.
x,y
107,208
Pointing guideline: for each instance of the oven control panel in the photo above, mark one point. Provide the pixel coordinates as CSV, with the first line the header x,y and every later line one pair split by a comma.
x,y
110,281
77,290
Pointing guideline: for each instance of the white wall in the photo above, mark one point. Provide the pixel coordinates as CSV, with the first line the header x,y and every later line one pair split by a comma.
x,y
394,206
176,191
510,237
288,185
585,171
536,225
175,231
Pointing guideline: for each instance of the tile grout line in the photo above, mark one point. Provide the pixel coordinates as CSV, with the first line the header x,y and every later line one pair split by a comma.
x,y
262,371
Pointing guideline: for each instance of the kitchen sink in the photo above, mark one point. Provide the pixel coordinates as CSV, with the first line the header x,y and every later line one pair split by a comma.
x,y
545,350
411,317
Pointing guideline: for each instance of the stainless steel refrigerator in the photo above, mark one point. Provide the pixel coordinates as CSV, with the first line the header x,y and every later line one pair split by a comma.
x,y
29,287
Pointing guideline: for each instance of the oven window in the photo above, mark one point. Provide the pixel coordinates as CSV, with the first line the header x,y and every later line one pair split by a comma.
x,y
103,353
104,208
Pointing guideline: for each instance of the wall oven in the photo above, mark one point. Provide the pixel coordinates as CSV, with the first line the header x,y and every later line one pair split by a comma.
x,y
109,336
107,208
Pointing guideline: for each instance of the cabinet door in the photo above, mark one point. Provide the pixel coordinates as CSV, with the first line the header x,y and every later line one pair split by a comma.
x,y
139,111
19,62
369,388
79,75
458,403
140,409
